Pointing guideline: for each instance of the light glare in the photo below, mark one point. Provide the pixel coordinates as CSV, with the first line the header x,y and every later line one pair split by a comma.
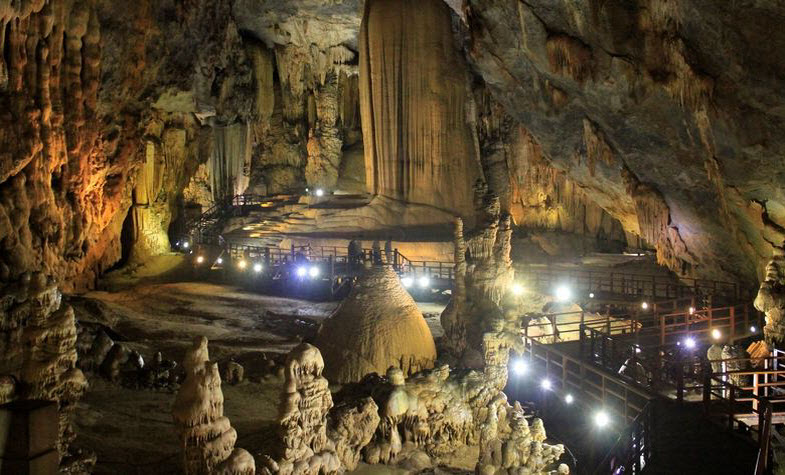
x,y
407,282
645,305
313,272
517,289
519,367
424,281
319,192
692,310
591,295
242,264
185,244
716,334
220,260
753,329
257,267
569,399
563,293
546,384
199,259
601,419
689,342
301,271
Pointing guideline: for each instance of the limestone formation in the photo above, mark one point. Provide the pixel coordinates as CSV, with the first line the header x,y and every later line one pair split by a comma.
x,y
309,444
39,349
377,326
414,100
771,300
483,274
206,434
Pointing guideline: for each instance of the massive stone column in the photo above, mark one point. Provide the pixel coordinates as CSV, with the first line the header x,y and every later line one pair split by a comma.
x,y
414,102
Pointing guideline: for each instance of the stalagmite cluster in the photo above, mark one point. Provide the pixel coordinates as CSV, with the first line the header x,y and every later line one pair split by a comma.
x,y
377,326
771,300
311,441
483,274
206,434
38,348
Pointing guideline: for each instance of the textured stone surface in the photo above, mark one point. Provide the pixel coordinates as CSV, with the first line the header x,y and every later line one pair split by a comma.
x,y
666,113
376,327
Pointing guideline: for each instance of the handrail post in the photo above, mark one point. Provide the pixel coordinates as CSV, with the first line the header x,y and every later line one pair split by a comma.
x,y
680,380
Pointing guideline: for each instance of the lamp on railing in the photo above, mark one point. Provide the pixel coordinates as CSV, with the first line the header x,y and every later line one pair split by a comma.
x,y
601,419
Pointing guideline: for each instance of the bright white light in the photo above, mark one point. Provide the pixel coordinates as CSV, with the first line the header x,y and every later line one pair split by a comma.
x,y
517,289
220,260
716,334
301,271
563,293
407,282
546,384
319,192
242,264
689,342
306,190
519,367
637,349
257,267
601,418
313,272
644,305
591,295
185,245
568,399
753,329
199,259
692,310
424,281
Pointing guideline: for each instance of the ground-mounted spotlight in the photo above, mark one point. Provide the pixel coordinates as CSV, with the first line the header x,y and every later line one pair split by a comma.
x,y
716,334
519,367
257,267
185,245
601,419
517,289
644,305
424,281
242,264
591,295
753,329
563,293
219,260
313,272
319,192
569,399
692,310
306,189
689,342
546,384
199,259
301,272
407,281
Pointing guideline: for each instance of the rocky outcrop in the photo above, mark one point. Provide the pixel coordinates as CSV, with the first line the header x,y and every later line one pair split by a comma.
x,y
38,350
771,300
414,93
668,126
376,327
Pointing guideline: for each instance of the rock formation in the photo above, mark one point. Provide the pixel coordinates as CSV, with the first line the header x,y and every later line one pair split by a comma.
x,y
415,100
308,442
483,274
207,435
38,349
771,300
377,326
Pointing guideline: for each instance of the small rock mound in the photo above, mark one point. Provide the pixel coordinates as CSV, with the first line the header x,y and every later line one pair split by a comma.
x,y
378,326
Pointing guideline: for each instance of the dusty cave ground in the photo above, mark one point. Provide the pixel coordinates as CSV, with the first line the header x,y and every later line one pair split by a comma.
x,y
131,430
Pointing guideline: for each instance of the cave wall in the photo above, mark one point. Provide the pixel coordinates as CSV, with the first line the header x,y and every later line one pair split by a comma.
x,y
664,112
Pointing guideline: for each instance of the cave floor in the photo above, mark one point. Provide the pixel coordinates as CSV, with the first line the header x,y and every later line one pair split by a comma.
x,y
131,430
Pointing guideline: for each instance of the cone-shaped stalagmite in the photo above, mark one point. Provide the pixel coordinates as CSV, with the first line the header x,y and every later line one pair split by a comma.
x,y
377,326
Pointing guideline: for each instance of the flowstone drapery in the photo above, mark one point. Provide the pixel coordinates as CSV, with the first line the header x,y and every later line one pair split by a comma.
x,y
483,274
207,435
771,299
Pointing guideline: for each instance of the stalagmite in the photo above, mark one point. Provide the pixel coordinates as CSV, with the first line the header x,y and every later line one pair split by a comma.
x,y
377,326
771,299
207,435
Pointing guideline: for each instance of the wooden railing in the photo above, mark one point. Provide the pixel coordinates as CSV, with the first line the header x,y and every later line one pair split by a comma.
x,y
634,447
594,384
652,287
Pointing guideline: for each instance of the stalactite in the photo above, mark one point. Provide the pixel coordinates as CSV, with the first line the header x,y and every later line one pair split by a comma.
x,y
229,164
